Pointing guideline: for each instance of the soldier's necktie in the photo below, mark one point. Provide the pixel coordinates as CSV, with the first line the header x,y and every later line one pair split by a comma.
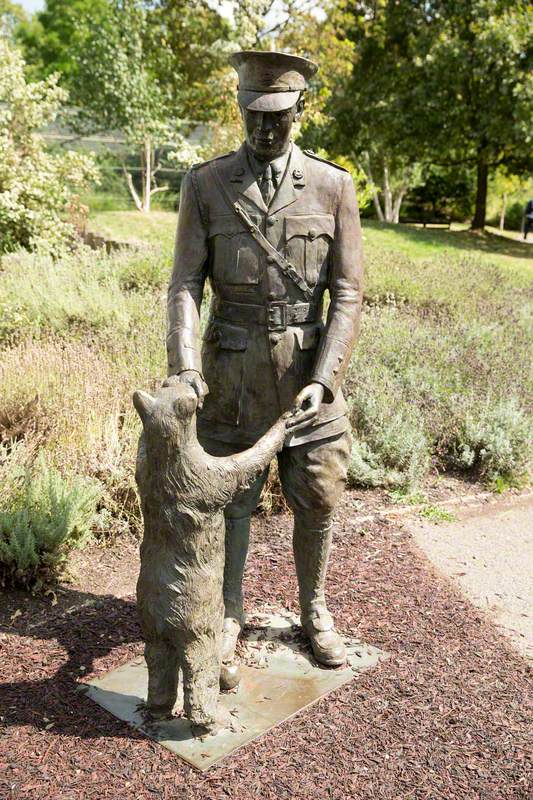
x,y
267,185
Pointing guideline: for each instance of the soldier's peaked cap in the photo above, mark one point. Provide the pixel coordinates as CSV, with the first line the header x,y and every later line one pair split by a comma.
x,y
271,81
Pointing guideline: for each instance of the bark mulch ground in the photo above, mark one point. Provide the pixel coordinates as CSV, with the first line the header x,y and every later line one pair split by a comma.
x,y
445,717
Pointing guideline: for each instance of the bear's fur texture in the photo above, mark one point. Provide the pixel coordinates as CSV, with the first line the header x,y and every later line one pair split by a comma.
x,y
183,493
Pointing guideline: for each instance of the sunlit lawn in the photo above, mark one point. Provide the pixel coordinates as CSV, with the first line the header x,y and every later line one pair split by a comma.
x,y
420,243
158,227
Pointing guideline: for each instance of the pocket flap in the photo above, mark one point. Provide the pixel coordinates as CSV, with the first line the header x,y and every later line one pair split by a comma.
x,y
228,337
307,337
228,225
310,225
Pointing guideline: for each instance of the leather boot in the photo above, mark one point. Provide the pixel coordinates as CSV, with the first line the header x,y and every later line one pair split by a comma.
x,y
237,538
312,544
230,671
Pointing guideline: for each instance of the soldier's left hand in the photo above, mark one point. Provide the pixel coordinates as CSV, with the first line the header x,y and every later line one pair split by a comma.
x,y
306,407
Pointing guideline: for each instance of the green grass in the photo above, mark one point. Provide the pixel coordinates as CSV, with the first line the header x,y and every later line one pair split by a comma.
x,y
436,514
158,227
417,244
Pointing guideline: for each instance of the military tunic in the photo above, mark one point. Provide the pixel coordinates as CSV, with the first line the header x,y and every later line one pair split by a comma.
x,y
265,340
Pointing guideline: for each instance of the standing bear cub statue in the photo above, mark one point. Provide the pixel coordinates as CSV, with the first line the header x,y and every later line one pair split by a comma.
x,y
183,493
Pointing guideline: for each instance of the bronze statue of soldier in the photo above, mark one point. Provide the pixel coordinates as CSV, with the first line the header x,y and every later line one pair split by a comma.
x,y
272,228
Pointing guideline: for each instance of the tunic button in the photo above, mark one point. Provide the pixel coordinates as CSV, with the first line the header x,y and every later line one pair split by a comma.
x,y
271,260
271,221
272,295
239,171
312,233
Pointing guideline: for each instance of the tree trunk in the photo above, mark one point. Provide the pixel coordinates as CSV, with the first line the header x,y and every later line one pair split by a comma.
x,y
387,194
392,200
377,204
375,193
397,204
146,176
478,223
135,197
502,212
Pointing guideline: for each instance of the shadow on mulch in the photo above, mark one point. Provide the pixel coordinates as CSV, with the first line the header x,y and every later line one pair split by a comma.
x,y
84,627
445,718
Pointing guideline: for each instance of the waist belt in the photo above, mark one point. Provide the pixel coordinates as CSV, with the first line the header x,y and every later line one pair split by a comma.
x,y
275,315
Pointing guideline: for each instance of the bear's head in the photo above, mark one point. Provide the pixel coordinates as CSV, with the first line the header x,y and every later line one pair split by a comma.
x,y
170,414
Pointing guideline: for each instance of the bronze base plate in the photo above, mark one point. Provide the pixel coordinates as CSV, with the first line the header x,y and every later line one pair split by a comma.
x,y
279,679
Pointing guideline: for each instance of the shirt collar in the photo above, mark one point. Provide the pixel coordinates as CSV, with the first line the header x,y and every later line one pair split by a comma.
x,y
279,164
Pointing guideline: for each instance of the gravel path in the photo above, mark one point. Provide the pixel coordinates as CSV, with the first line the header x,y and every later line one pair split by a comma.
x,y
490,555
444,718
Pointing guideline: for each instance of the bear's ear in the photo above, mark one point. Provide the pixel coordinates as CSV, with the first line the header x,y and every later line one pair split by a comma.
x,y
143,403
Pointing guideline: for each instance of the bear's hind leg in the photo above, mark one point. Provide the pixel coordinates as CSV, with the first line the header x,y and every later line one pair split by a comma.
x,y
200,662
163,671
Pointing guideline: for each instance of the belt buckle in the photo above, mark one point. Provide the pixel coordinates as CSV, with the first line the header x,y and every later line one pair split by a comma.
x,y
274,323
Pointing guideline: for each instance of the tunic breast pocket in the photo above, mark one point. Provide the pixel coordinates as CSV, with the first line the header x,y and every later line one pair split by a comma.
x,y
308,238
233,254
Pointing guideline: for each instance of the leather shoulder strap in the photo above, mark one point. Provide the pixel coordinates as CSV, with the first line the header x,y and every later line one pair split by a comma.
x,y
312,154
248,224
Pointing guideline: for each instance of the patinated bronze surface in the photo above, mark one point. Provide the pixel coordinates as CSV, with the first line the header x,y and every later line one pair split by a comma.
x,y
279,679
179,592
272,228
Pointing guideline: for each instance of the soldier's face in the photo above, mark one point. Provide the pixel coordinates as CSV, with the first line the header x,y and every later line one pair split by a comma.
x,y
268,133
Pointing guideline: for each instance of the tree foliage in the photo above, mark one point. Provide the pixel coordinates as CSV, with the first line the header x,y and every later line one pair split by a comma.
x,y
475,84
440,82
144,69
36,186
508,193
364,97
51,38
188,45
11,16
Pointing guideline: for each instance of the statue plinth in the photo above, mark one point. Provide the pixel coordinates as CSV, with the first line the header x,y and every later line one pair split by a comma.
x,y
279,679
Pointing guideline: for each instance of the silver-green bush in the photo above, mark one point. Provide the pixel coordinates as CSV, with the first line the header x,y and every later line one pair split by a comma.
x,y
454,391
496,441
43,516
80,292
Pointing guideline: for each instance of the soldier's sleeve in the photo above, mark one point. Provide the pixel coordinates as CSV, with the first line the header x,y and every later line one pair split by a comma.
x,y
187,283
345,289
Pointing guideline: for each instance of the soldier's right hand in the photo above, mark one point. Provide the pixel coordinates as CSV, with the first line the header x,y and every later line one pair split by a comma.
x,y
193,378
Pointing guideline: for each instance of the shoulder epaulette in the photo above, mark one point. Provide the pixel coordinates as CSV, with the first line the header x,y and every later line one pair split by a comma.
x,y
311,154
210,160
